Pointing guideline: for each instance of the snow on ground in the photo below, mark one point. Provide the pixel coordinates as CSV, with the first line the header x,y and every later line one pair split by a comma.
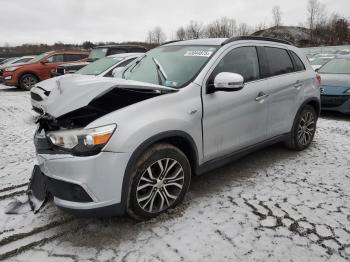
x,y
274,205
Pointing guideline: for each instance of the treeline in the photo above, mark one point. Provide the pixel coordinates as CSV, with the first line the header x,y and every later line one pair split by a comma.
x,y
322,28
35,49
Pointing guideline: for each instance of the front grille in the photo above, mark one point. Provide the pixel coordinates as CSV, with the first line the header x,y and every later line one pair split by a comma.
x,y
333,101
35,97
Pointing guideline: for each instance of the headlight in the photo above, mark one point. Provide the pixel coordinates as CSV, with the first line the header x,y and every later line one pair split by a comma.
x,y
82,141
12,68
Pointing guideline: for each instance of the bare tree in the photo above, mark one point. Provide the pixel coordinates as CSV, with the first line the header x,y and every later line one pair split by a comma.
x,y
156,36
260,26
243,29
316,16
223,27
277,16
181,33
194,30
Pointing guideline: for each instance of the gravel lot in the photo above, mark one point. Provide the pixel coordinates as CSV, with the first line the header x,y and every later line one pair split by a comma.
x,y
274,205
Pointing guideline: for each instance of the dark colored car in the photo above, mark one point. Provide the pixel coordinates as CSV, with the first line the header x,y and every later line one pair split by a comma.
x,y
335,85
97,53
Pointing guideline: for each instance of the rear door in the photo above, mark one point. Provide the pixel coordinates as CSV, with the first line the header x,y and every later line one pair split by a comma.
x,y
285,88
235,120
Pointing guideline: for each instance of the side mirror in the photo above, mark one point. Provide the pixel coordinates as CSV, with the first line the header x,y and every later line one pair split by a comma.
x,y
226,81
117,71
44,61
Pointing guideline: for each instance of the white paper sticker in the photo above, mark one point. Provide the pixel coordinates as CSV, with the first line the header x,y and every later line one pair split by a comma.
x,y
198,53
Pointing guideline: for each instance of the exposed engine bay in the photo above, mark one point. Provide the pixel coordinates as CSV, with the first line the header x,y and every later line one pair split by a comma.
x,y
102,105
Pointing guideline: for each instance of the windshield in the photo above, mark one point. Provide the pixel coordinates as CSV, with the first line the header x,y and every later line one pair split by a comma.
x,y
336,66
171,66
321,60
97,53
98,66
38,58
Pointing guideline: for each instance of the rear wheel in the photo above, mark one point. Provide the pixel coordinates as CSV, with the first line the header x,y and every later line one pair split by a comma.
x,y
160,181
303,130
27,81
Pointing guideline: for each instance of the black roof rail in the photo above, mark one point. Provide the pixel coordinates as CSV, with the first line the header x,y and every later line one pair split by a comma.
x,y
169,42
260,38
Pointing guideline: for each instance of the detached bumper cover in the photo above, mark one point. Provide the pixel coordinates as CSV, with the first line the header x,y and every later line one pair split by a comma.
x,y
74,180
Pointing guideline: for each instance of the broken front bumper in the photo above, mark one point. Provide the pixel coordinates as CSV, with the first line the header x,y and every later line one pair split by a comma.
x,y
89,185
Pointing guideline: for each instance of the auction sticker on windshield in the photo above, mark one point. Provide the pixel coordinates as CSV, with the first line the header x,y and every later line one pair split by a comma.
x,y
198,53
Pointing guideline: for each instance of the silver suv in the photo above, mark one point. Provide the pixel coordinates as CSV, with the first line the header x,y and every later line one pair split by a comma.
x,y
106,146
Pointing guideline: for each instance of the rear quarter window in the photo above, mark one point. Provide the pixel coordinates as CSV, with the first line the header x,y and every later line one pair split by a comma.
x,y
298,64
279,61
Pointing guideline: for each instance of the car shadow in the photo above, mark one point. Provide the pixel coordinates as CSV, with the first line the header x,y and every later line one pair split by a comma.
x,y
244,170
11,89
333,115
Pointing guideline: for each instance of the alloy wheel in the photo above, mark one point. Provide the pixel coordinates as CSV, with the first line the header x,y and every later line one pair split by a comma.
x,y
306,128
160,185
29,82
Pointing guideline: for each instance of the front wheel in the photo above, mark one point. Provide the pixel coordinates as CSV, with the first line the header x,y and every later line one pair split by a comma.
x,y
303,130
160,181
27,81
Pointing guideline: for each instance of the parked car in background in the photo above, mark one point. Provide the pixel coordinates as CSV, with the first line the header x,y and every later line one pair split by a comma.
x,y
335,85
15,61
106,50
39,68
320,56
5,60
343,52
106,146
320,61
97,53
101,68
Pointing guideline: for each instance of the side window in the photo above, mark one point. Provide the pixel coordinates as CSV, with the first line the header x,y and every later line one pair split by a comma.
x,y
242,60
73,57
299,65
116,51
124,63
279,61
55,58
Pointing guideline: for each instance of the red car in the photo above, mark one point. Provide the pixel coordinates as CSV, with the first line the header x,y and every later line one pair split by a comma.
x,y
39,68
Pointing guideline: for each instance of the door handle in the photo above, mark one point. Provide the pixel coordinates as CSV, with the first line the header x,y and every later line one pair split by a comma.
x,y
298,84
261,96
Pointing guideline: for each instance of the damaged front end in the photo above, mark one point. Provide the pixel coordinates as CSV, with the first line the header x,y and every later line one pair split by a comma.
x,y
66,133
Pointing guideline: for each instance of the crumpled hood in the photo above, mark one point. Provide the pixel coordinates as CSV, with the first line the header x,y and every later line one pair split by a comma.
x,y
70,92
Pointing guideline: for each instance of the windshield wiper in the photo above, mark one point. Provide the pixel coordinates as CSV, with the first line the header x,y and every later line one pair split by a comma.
x,y
160,71
131,68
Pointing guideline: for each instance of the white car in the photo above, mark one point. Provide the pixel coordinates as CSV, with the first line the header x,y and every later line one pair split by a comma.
x,y
101,68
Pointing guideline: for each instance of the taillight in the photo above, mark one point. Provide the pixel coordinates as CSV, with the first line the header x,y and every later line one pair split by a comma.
x,y
318,78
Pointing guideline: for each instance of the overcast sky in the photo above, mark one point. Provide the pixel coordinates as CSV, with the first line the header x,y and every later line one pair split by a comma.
x,y
74,21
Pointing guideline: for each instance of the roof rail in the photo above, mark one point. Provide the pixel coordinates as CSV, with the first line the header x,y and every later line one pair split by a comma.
x,y
169,42
260,38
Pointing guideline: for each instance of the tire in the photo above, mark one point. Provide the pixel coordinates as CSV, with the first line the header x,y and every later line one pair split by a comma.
x,y
303,130
150,196
27,81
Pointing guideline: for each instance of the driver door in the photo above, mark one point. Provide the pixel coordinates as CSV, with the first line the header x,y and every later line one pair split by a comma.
x,y
238,119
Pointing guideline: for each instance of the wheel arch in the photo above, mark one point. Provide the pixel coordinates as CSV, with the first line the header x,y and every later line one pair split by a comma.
x,y
27,73
179,139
